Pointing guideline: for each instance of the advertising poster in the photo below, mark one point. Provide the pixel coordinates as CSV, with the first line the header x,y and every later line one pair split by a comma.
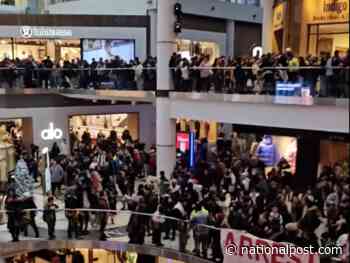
x,y
241,247
108,49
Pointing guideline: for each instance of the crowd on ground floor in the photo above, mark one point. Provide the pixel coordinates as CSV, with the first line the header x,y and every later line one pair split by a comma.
x,y
226,189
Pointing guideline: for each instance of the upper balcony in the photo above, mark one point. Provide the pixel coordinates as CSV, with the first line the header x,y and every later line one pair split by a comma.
x,y
306,98
242,10
13,7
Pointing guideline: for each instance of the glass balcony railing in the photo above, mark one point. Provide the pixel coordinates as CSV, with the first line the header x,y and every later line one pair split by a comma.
x,y
53,2
7,2
244,2
308,81
22,6
133,227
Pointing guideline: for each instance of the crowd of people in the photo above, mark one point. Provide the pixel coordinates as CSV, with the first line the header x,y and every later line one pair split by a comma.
x,y
86,178
325,76
115,73
226,189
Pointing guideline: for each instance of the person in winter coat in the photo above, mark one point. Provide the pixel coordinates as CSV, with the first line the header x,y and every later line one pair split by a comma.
x,y
57,175
14,214
50,216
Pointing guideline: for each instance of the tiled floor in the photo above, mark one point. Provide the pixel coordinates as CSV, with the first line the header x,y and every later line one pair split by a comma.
x,y
116,231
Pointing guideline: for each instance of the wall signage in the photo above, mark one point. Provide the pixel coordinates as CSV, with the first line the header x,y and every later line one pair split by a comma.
x,y
51,133
333,10
45,32
257,51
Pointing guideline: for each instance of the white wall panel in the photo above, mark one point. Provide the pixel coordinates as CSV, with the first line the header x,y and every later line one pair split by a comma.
x,y
41,118
138,34
101,7
320,118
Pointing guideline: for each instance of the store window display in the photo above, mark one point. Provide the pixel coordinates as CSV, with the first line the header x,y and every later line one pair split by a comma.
x,y
7,157
267,151
188,48
101,126
273,151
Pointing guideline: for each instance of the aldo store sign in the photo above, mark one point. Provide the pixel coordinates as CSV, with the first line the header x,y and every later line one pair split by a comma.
x,y
51,133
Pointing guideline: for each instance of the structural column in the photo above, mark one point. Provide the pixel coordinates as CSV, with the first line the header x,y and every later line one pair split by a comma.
x,y
230,38
308,158
152,13
267,28
166,127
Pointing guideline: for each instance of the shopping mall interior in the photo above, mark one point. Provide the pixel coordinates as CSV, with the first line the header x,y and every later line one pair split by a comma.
x,y
174,131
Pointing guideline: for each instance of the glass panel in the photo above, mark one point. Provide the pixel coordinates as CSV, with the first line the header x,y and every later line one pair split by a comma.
x,y
334,28
312,44
5,48
313,29
7,2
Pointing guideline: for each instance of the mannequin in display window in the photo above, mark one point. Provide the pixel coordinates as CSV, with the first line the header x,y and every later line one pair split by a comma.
x,y
7,157
291,155
7,164
267,151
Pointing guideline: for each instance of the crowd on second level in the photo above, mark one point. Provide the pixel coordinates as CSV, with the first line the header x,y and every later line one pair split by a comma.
x,y
115,73
324,76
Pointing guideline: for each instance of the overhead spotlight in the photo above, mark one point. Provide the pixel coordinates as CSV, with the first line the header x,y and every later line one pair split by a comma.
x,y
178,27
178,10
178,14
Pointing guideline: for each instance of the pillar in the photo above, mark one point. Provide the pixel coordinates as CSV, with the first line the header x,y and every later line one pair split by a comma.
x,y
267,27
308,158
152,13
133,125
166,127
51,49
27,128
230,38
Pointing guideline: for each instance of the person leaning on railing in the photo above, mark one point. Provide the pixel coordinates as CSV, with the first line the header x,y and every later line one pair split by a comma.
x,y
49,216
14,214
199,217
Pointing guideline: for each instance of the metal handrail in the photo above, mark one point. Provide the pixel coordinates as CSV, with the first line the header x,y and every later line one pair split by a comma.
x,y
174,68
111,211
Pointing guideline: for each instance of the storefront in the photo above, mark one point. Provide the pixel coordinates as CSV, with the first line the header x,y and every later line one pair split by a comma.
x,y
335,152
13,132
202,129
272,150
39,49
90,255
103,125
326,25
70,37
313,27
189,48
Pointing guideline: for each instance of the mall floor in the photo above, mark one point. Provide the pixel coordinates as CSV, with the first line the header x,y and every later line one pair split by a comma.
x,y
115,232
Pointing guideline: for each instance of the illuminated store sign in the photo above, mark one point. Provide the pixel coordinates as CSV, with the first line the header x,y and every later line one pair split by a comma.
x,y
335,6
51,133
44,32
332,10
